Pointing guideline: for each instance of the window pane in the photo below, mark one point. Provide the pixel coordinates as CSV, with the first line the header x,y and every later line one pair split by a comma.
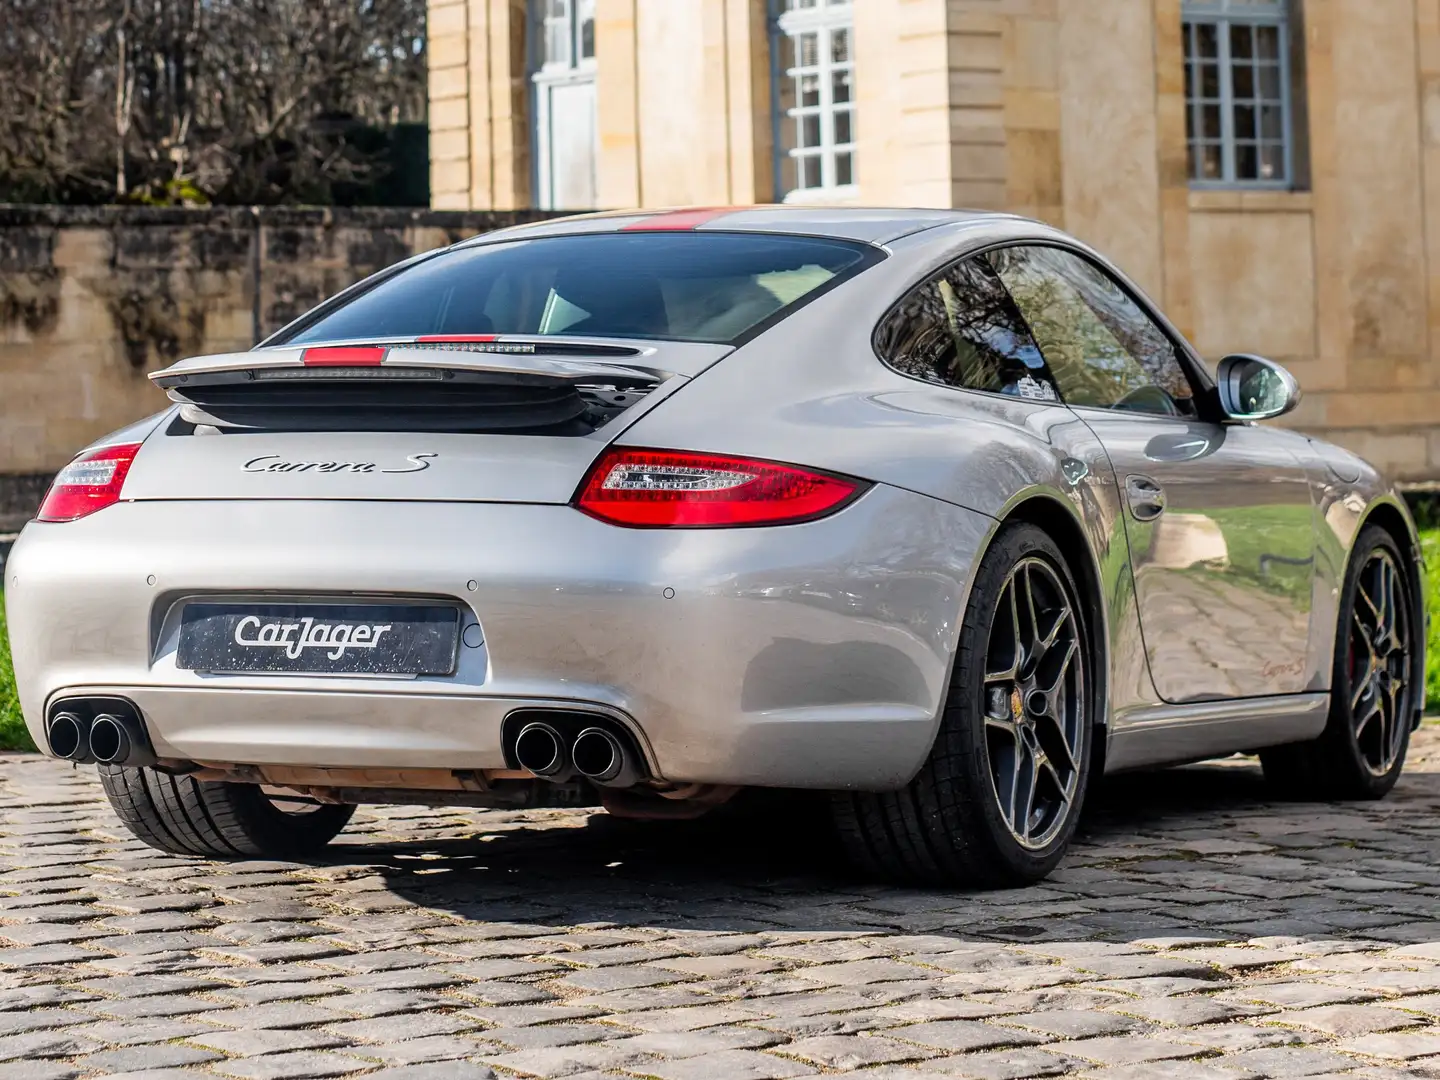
x,y
840,46
587,39
809,49
809,90
842,127
1207,41
840,87
844,168
1210,81
1244,121
810,130
1210,121
1272,123
1102,349
683,286
1189,80
1243,81
1212,162
1247,162
1267,42
1270,82
1272,162
962,329
1242,45
809,167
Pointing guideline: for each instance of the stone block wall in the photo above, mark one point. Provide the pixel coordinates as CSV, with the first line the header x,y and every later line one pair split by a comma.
x,y
93,298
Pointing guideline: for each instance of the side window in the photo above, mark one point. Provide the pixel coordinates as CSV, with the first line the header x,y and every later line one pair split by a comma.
x,y
962,329
1102,349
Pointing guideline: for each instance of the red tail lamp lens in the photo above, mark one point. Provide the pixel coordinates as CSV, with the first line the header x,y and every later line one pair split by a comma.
x,y
91,482
676,489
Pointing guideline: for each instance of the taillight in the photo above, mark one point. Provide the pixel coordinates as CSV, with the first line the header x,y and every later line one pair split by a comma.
x,y
91,482
678,489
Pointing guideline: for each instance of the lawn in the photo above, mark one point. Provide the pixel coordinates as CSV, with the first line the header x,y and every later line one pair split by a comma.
x,y
13,735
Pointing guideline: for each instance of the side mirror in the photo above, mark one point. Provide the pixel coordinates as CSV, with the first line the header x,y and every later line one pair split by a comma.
x,y
1253,388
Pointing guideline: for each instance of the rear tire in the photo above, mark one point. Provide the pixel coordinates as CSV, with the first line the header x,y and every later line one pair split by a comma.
x,y
213,819
996,802
1372,689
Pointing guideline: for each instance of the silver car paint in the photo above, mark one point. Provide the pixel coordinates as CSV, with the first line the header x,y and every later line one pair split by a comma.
x,y
722,681
807,655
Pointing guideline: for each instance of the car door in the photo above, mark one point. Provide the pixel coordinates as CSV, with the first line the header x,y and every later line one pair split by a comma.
x,y
1218,516
960,329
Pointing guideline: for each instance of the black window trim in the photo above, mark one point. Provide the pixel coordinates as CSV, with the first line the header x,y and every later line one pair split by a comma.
x,y
1201,384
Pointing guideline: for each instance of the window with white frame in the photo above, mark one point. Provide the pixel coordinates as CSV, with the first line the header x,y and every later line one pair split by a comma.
x,y
1238,95
565,126
815,98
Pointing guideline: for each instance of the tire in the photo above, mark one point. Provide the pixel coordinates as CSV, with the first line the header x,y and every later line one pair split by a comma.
x,y
948,825
216,820
1374,672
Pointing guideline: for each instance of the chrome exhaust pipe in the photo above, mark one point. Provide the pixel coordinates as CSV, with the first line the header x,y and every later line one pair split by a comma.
x,y
119,740
109,741
540,749
67,737
602,758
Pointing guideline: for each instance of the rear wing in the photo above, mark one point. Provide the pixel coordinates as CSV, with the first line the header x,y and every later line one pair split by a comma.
x,y
473,384
569,361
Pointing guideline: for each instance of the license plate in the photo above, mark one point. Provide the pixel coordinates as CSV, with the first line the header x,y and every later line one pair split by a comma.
x,y
331,639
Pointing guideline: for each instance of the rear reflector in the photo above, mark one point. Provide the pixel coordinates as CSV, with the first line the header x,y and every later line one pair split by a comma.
x,y
91,482
677,489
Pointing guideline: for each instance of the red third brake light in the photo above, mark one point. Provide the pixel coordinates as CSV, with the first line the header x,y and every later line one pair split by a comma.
x,y
91,482
679,489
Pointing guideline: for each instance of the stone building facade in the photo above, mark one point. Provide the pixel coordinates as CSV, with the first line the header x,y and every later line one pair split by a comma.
x,y
1268,169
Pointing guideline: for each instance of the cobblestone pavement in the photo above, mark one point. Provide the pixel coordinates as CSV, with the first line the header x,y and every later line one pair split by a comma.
x,y
1196,931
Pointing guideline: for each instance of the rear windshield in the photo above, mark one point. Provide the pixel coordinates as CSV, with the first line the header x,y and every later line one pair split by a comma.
x,y
680,286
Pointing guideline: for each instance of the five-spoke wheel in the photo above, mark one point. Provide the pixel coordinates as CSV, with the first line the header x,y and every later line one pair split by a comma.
x,y
1034,712
997,799
1379,662
1372,689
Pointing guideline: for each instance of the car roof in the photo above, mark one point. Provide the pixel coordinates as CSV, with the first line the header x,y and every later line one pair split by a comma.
x,y
871,225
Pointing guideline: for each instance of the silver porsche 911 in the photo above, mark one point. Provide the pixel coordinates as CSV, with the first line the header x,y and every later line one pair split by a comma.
x,y
930,510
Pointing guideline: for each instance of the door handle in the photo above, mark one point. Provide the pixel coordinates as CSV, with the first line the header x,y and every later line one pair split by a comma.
x,y
1146,496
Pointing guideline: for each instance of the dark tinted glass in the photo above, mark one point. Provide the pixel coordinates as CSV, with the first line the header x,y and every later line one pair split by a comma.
x,y
962,329
683,286
1101,346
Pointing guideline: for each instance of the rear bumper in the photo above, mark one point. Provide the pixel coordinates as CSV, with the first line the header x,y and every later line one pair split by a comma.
x,y
812,655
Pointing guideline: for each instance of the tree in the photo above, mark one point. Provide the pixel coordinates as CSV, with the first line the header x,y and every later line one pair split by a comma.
x,y
250,101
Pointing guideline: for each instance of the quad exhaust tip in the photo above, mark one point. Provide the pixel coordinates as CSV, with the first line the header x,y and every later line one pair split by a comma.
x,y
540,749
68,736
104,730
110,743
602,758
558,746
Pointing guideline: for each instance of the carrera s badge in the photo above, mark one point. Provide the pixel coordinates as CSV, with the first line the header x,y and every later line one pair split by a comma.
x,y
274,463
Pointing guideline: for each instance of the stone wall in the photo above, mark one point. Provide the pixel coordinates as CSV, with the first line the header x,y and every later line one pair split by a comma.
x,y
93,298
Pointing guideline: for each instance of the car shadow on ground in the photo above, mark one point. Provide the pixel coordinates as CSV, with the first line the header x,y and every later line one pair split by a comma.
x,y
771,866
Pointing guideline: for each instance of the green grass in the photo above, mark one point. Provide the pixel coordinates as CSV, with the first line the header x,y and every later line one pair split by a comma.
x,y
13,735
1430,546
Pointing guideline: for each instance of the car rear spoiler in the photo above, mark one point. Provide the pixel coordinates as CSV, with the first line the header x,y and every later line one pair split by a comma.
x,y
527,360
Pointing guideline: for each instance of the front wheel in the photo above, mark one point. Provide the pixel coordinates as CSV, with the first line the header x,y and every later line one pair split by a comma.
x,y
1372,689
215,819
996,801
